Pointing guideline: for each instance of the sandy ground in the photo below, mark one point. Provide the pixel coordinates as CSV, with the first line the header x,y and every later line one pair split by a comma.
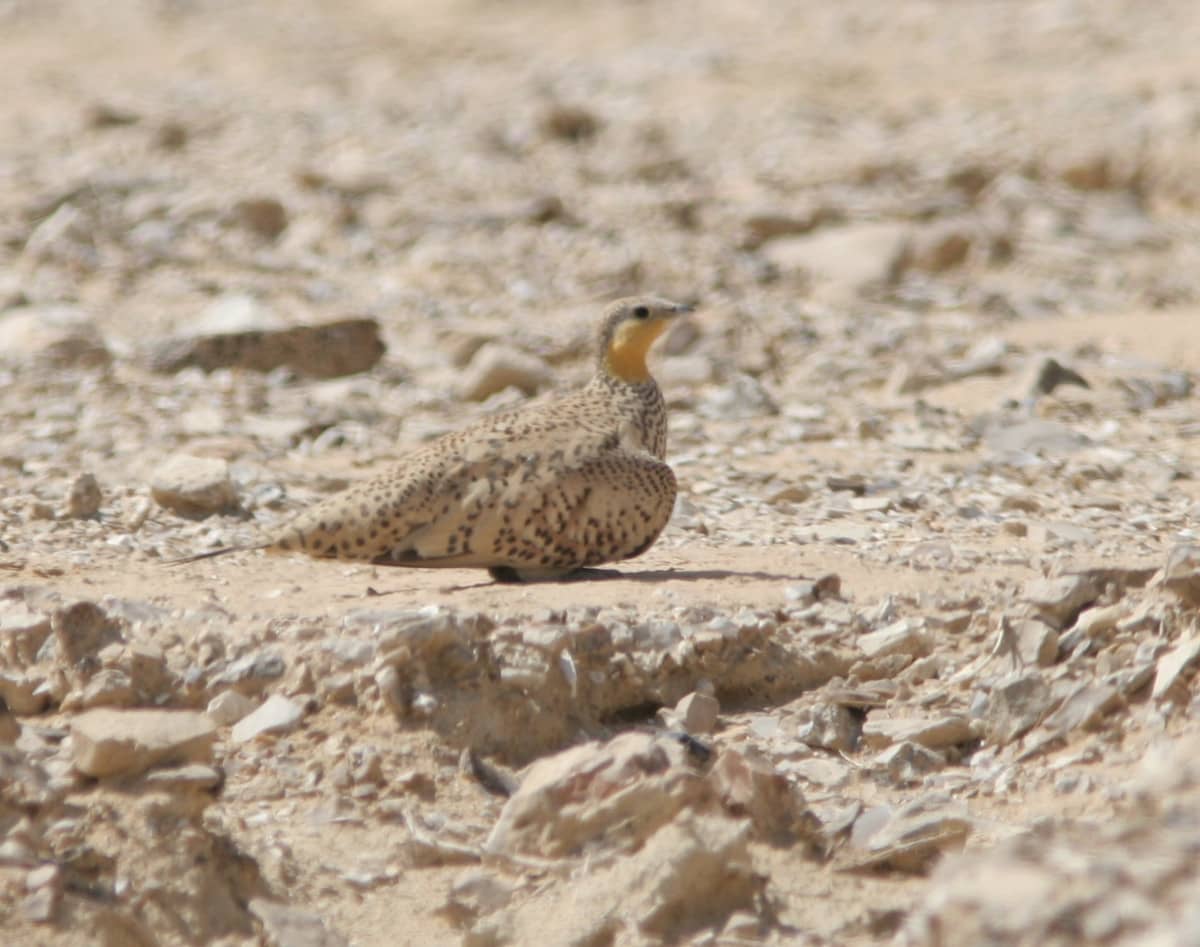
x,y
885,213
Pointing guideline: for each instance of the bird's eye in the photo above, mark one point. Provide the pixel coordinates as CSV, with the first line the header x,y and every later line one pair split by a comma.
x,y
641,312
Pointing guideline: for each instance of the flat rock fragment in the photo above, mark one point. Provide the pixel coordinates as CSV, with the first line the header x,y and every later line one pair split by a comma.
x,y
906,636
1174,663
908,838
194,486
1058,601
690,875
635,781
287,926
933,733
1015,706
327,350
127,742
277,714
1181,574
496,367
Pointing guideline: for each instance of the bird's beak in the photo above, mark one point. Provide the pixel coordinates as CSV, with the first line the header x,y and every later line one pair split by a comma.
x,y
681,309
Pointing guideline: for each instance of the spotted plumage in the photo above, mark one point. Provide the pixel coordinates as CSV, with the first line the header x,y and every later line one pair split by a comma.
x,y
537,492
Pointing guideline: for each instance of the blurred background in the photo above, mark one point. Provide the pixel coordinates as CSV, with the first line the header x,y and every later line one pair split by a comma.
x,y
1026,156
856,193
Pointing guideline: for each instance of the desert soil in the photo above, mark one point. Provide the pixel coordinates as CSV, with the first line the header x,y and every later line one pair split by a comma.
x,y
945,595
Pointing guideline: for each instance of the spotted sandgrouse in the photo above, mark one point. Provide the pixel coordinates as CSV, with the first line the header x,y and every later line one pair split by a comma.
x,y
539,492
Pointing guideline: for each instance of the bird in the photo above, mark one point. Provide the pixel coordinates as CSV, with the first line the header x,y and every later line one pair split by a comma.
x,y
536,493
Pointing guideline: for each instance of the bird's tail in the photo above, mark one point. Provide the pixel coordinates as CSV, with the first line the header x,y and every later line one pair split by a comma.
x,y
212,553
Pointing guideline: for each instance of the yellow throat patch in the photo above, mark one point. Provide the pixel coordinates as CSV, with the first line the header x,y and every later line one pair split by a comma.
x,y
626,355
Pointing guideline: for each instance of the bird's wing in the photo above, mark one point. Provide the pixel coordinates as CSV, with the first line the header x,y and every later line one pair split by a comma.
x,y
560,507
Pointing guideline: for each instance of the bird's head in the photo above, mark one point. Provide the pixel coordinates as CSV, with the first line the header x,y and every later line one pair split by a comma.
x,y
629,329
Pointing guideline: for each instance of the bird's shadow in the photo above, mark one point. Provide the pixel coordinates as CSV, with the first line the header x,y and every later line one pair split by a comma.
x,y
676,575
611,575
644,575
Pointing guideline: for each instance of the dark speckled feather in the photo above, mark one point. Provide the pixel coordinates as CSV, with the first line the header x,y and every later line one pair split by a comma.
x,y
543,490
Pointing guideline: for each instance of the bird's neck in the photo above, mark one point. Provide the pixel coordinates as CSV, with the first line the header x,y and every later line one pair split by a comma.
x,y
624,357
628,367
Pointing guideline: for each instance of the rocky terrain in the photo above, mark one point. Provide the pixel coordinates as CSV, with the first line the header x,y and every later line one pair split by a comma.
x,y
916,660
